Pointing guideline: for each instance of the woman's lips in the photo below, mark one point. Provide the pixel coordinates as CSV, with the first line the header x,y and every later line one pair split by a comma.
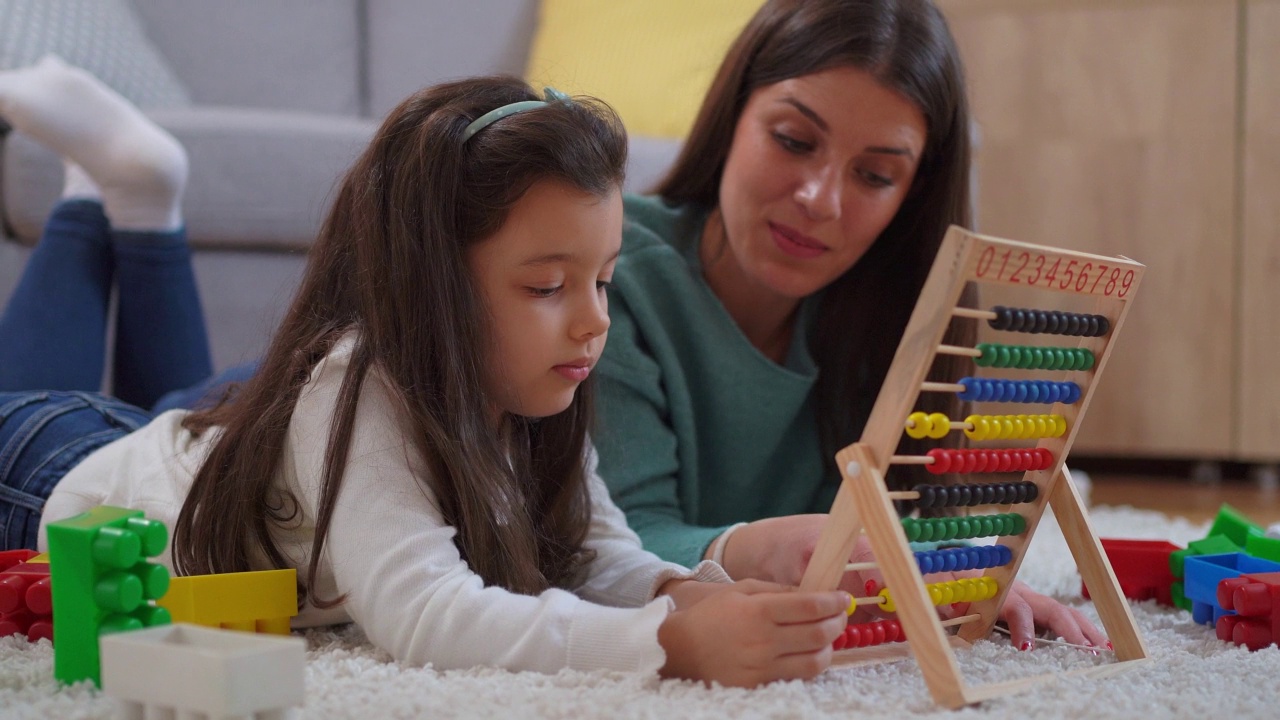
x,y
795,243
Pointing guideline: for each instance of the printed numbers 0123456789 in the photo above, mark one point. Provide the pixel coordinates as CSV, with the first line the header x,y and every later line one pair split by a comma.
x,y
1033,268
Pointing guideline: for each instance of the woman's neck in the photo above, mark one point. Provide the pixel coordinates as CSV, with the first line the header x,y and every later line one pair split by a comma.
x,y
765,317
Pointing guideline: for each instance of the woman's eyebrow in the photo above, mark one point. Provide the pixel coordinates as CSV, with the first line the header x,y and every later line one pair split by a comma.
x,y
807,112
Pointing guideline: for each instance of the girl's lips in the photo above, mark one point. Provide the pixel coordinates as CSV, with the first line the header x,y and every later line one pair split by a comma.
x,y
573,373
795,243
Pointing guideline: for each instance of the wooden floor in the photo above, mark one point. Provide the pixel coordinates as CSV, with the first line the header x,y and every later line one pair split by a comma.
x,y
1182,497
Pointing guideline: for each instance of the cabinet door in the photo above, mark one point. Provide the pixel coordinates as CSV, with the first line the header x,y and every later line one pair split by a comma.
x,y
1109,127
1259,387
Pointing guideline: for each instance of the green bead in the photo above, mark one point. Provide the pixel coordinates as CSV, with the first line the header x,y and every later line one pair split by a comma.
x,y
1025,358
952,529
988,355
1089,360
1037,358
1003,358
912,529
988,526
1019,524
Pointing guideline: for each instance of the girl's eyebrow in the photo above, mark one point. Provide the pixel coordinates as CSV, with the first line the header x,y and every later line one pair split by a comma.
x,y
552,258
822,124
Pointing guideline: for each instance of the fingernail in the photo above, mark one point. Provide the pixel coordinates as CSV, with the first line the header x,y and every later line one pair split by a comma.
x,y
871,587
1109,645
1025,646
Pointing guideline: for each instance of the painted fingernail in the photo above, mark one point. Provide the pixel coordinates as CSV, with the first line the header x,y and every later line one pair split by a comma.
x,y
871,587
1109,645
1025,646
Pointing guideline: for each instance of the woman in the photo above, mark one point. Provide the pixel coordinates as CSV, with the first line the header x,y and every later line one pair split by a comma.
x,y
762,292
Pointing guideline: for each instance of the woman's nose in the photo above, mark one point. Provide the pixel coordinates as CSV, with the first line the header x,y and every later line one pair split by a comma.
x,y
819,194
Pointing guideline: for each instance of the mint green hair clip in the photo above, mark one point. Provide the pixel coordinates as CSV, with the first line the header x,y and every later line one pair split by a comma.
x,y
497,114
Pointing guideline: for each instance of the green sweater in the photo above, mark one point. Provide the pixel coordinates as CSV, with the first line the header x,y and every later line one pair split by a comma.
x,y
697,429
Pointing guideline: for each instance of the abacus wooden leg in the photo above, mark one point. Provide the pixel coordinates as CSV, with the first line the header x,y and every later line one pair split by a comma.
x,y
1096,570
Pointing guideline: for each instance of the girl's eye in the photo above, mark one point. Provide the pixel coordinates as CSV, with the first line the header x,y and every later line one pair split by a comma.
x,y
791,144
544,292
604,285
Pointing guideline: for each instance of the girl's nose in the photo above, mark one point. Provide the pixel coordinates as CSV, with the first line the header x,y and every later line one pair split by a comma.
x,y
593,316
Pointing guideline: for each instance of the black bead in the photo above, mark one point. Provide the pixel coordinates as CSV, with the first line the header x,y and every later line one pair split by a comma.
x,y
1001,320
1033,491
1093,326
1054,324
1104,325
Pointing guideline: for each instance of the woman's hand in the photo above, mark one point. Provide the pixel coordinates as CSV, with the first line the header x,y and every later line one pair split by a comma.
x,y
744,639
1025,610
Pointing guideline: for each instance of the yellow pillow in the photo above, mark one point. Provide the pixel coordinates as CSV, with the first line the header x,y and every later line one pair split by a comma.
x,y
652,60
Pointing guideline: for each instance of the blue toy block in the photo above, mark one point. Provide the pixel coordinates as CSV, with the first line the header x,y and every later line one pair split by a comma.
x,y
1204,572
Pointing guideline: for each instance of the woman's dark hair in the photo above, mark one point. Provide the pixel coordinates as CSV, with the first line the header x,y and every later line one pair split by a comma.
x,y
389,268
907,47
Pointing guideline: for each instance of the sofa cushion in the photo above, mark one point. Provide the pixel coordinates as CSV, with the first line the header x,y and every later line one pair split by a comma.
x,y
104,37
302,55
652,61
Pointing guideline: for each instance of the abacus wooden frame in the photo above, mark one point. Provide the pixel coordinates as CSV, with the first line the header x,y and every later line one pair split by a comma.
x,y
863,496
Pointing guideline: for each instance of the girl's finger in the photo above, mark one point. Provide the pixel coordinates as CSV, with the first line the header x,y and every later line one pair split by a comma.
x,y
806,607
1021,620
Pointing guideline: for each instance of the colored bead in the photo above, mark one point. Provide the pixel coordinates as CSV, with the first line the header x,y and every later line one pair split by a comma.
x,y
939,426
912,529
1004,356
888,604
853,605
1001,320
941,461
972,390
988,356
1104,325
1093,326
918,425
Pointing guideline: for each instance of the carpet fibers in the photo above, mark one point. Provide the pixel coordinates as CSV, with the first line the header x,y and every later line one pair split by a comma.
x,y
1192,675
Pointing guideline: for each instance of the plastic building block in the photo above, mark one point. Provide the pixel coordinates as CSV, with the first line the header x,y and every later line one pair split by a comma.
x,y
102,583
253,601
1267,548
191,671
1255,599
1142,567
1232,523
1212,545
1205,572
26,604
9,558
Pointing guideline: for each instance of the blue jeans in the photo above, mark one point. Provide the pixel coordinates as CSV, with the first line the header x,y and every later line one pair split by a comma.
x,y
42,436
53,332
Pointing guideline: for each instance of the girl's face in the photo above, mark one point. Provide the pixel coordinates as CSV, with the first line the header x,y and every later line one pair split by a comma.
x,y
543,277
818,167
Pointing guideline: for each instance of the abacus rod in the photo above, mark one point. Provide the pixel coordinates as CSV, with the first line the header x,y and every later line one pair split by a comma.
x,y
911,460
903,495
960,620
973,313
941,387
856,567
957,350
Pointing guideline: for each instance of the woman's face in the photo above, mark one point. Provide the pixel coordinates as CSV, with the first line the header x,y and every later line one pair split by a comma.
x,y
818,167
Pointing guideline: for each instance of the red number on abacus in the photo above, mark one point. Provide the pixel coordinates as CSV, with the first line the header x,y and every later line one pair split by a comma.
x,y
1039,266
1052,275
1126,283
1025,258
1102,273
1111,284
1004,264
1066,283
1083,279
984,260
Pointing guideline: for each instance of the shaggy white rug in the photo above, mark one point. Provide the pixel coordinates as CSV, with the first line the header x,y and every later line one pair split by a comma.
x,y
1193,675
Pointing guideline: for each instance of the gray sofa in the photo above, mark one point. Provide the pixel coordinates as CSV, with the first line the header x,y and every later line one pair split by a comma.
x,y
285,94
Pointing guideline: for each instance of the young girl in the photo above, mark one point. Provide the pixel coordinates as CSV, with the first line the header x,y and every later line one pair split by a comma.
x,y
415,441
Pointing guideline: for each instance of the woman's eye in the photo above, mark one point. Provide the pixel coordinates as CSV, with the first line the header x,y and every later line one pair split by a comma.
x,y
876,180
791,144
544,292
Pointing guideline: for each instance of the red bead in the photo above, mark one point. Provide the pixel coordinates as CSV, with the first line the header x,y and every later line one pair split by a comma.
x,y
1006,461
877,637
941,461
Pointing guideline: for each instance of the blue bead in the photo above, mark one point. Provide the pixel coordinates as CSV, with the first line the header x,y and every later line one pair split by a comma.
x,y
971,390
1006,555
1055,392
1073,393
1020,391
984,556
949,562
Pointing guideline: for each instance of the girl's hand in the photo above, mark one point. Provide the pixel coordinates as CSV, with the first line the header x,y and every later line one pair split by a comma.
x,y
1025,609
745,639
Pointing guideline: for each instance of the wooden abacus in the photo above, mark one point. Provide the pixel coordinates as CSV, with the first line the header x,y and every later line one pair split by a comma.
x,y
864,499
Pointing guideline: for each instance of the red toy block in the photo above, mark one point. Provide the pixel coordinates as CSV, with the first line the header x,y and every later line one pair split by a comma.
x,y
1255,599
1142,568
26,604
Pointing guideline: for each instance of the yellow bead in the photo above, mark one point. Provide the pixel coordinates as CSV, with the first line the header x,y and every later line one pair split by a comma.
x,y
940,425
935,593
1062,425
1043,423
918,425
979,429
1006,427
887,605
853,605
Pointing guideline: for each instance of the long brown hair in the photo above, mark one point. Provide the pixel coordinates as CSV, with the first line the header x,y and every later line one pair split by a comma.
x,y
907,47
390,265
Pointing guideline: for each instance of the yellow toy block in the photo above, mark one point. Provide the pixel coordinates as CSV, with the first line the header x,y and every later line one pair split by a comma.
x,y
261,601
41,558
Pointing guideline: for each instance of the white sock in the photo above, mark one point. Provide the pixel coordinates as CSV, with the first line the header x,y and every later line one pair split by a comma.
x,y
140,168
76,183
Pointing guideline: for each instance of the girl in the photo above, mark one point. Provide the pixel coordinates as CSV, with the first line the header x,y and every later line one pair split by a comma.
x,y
415,441
784,253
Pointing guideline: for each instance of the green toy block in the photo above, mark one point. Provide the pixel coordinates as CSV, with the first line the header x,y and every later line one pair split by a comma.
x,y
1263,547
1179,596
1212,545
1232,523
102,584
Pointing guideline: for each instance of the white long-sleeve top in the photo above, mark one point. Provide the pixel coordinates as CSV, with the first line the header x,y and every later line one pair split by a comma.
x,y
392,553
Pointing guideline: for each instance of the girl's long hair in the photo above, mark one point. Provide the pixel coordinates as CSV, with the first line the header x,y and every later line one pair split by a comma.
x,y
389,267
907,47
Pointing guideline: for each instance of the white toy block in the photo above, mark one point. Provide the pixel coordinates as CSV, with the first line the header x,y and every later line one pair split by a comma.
x,y
183,670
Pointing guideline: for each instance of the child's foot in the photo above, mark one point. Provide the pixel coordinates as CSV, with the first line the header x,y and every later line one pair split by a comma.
x,y
140,168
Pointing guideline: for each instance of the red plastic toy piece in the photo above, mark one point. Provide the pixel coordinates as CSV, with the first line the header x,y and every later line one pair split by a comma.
x,y
1142,567
26,604
1255,599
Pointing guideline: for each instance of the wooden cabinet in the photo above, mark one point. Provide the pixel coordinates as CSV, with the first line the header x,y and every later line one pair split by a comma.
x,y
1258,392
1114,127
